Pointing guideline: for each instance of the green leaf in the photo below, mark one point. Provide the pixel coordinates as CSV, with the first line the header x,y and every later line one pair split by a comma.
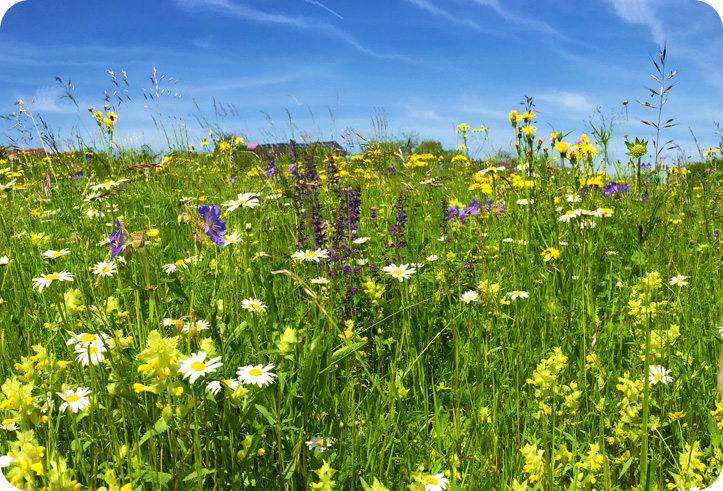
x,y
266,414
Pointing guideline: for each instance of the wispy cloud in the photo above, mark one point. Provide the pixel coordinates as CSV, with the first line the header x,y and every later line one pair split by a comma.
x,y
430,7
640,12
569,101
542,27
319,4
246,13
249,82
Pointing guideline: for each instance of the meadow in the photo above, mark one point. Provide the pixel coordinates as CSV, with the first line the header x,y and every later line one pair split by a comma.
x,y
211,318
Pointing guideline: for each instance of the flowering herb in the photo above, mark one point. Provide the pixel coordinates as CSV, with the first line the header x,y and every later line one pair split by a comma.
x,y
116,239
213,225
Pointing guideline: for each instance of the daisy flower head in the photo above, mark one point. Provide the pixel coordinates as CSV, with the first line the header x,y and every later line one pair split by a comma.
x,y
199,325
253,305
319,443
92,354
168,322
678,281
432,258
400,272
256,374
569,215
216,385
46,280
248,200
233,238
362,262
436,482
4,260
196,366
75,400
50,254
361,240
658,373
470,296
310,255
104,268
517,294
320,281
85,340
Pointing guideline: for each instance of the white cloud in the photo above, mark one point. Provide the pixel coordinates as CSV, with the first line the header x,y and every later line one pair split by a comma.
x,y
571,101
640,12
246,13
319,4
430,7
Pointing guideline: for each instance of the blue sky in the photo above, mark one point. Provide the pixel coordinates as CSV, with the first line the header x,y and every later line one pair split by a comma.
x,y
319,69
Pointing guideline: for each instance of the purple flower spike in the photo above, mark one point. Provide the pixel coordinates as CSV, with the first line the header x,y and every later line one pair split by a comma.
x,y
214,226
116,239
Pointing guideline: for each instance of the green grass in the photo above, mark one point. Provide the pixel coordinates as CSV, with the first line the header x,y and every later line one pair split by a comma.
x,y
407,381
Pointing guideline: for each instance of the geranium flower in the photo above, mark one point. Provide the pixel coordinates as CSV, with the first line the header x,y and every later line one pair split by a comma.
x,y
116,239
213,225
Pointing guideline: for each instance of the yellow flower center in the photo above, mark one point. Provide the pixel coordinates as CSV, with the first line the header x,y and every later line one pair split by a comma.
x,y
433,481
253,305
397,272
105,269
320,443
198,366
73,398
180,262
57,254
310,254
88,338
255,372
657,376
518,294
52,277
92,350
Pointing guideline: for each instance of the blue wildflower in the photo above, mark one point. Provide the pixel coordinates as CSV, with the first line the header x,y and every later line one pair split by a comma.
x,y
116,239
213,225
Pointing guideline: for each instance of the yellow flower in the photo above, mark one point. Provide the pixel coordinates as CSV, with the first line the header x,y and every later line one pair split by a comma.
x,y
562,147
550,254
676,415
513,117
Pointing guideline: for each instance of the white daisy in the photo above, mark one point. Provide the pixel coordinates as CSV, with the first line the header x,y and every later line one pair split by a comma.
x,y
199,325
320,281
249,200
253,305
678,281
517,294
233,238
432,258
508,239
215,385
658,373
4,260
75,400
107,185
168,322
92,213
470,296
442,238
573,198
525,202
91,354
569,215
104,268
309,255
362,262
319,443
361,240
45,280
85,340
261,376
55,254
400,272
8,185
436,482
195,366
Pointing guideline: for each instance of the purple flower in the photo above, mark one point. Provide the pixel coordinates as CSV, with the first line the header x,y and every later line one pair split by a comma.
x,y
251,146
715,235
213,225
116,239
77,175
233,180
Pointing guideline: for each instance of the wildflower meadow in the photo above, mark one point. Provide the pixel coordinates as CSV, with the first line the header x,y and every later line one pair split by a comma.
x,y
213,317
